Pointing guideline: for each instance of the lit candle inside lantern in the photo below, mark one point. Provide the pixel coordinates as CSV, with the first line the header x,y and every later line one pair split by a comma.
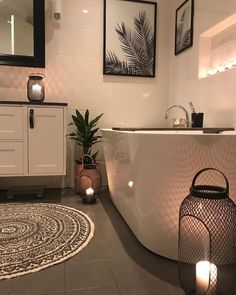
x,y
212,71
130,183
177,122
220,69
206,278
36,91
89,191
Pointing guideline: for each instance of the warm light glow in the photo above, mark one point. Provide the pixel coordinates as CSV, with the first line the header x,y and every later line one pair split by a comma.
x,y
145,95
227,66
130,183
220,69
212,71
200,206
89,191
206,272
36,91
233,62
85,11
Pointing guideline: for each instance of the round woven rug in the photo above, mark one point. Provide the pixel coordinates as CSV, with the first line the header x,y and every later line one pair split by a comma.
x,y
34,236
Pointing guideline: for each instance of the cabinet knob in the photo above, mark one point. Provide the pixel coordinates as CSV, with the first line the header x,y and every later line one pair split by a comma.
x,y
31,119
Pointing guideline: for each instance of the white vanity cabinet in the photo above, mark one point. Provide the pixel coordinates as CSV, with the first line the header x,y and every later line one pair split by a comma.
x,y
32,139
11,140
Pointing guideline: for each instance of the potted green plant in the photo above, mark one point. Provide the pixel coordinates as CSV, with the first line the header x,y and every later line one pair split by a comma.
x,y
87,170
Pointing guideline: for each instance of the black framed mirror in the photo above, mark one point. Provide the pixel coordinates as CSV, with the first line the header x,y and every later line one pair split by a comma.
x,y
22,33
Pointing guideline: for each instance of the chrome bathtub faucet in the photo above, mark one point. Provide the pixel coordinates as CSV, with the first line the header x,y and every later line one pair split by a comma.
x,y
188,123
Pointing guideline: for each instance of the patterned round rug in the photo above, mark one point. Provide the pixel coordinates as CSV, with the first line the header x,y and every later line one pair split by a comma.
x,y
34,236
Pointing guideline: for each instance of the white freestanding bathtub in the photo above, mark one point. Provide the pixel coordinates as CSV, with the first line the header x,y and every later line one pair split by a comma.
x,y
150,173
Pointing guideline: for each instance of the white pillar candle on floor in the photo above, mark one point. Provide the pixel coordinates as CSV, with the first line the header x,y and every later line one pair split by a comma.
x,y
206,273
89,191
36,91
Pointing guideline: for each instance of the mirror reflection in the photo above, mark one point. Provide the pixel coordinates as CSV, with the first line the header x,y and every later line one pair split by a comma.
x,y
16,27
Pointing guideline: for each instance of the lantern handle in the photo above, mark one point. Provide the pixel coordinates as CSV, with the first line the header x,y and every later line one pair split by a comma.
x,y
205,169
87,155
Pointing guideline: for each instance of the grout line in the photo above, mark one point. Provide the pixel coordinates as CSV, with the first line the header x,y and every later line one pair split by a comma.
x,y
10,289
117,286
64,278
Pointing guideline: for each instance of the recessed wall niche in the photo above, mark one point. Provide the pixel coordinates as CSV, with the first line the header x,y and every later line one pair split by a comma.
x,y
217,48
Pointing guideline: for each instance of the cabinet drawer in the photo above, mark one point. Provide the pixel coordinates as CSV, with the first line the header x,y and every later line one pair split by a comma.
x,y
11,158
11,123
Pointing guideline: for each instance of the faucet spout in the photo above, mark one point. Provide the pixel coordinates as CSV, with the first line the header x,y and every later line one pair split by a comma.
x,y
188,123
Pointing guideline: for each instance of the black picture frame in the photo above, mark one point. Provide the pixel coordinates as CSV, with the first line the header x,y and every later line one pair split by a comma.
x,y
127,51
184,26
38,58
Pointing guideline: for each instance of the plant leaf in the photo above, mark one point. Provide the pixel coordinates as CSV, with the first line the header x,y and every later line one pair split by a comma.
x,y
137,45
85,131
128,43
86,117
95,121
115,66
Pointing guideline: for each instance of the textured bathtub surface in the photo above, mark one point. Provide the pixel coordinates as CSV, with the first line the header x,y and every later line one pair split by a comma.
x,y
160,168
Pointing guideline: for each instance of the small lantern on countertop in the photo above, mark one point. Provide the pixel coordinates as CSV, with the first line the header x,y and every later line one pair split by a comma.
x,y
35,88
207,240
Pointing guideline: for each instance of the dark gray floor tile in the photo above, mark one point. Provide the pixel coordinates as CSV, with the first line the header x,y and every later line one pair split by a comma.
x,y
105,233
129,252
95,250
146,288
132,273
42,282
107,290
5,286
87,274
55,293
114,256
109,230
75,202
117,254
177,290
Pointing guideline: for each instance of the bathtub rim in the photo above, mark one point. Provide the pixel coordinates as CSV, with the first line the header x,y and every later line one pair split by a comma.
x,y
173,131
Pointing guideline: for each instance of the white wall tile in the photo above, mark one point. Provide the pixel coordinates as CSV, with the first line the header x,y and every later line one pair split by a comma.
x,y
73,15
73,73
83,43
215,96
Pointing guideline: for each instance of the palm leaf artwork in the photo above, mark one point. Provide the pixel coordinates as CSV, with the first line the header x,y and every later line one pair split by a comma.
x,y
138,47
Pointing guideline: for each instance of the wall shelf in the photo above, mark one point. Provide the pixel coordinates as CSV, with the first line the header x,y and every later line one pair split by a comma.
x,y
217,48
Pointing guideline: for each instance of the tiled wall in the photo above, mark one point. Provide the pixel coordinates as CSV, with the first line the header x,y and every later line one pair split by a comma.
x,y
74,53
214,95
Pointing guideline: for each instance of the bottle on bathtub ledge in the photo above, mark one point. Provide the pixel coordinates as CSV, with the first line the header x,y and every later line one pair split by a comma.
x,y
179,123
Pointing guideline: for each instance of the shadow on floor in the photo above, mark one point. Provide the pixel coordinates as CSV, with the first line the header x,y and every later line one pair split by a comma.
x,y
48,196
162,268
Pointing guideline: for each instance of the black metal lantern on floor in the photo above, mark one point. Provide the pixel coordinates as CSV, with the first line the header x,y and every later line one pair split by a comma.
x,y
88,179
207,240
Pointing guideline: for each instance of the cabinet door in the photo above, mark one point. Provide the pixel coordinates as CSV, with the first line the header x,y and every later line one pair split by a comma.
x,y
11,158
11,122
46,141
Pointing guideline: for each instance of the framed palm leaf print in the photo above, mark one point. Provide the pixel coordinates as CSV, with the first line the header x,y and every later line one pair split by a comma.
x,y
129,38
184,26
